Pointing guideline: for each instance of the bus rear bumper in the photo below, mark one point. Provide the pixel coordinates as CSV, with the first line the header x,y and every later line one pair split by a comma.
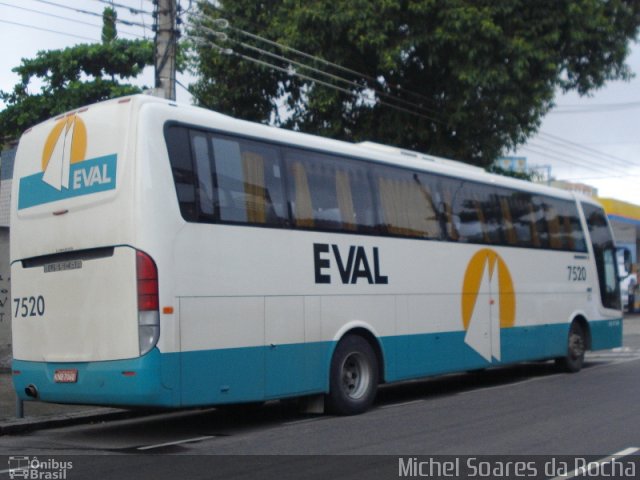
x,y
131,382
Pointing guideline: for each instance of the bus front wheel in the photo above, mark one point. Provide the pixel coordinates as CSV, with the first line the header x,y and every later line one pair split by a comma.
x,y
353,378
576,348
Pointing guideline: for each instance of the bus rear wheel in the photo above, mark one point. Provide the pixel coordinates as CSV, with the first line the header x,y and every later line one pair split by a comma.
x,y
574,359
353,378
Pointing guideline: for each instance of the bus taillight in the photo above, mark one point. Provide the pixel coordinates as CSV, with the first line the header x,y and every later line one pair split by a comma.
x,y
148,303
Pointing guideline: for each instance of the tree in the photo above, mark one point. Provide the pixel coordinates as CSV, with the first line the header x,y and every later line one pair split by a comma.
x,y
73,77
465,79
109,28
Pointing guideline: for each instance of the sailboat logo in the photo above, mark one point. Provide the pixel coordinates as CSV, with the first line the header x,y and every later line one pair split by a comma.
x,y
488,303
65,172
66,144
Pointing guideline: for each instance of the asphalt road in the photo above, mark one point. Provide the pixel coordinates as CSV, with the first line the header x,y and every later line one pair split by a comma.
x,y
530,412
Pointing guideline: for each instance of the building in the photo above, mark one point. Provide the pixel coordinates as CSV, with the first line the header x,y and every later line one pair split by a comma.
x,y
6,174
625,221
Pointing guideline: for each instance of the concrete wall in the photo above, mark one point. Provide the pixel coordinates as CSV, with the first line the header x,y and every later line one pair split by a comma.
x,y
5,300
6,173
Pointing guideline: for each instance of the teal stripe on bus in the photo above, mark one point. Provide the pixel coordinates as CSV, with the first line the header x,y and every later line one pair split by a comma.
x,y
237,375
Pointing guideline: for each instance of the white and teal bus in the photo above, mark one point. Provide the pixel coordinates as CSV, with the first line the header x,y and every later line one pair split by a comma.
x,y
166,255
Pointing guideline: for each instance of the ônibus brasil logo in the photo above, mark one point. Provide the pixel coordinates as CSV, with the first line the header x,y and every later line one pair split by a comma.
x,y
66,173
488,302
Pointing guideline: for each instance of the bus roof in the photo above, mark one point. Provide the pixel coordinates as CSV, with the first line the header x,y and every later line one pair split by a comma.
x,y
370,151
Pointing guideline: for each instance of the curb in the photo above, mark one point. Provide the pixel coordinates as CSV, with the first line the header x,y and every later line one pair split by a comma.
x,y
22,425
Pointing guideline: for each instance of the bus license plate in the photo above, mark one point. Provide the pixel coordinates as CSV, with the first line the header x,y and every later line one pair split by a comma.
x,y
66,376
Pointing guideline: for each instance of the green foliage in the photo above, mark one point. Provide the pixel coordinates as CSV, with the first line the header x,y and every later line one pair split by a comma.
x,y
529,176
477,75
109,31
71,78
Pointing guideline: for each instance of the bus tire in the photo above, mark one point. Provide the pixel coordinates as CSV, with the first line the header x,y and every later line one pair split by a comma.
x,y
353,378
576,346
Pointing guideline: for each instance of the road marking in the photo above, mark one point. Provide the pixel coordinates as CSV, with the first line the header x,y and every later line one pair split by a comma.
x,y
393,405
502,385
177,442
612,355
580,472
611,363
305,420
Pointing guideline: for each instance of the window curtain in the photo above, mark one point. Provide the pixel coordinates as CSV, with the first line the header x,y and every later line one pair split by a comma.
x,y
303,209
254,187
405,207
345,200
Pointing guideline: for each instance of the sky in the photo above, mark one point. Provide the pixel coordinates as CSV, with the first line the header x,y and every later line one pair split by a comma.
x,y
593,140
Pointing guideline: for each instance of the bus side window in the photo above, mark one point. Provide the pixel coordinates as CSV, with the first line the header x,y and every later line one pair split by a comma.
x,y
493,222
579,240
523,220
553,226
450,221
248,181
478,216
539,220
204,185
406,203
179,150
229,180
508,225
300,197
263,188
327,193
570,225
366,214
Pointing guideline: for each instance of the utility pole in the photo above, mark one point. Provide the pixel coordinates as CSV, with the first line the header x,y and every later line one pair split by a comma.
x,y
165,49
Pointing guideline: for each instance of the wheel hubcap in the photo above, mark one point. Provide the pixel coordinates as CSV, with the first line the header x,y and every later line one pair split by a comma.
x,y
356,376
576,345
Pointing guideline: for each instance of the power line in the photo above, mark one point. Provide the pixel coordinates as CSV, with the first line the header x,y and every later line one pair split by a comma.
x,y
582,161
429,114
132,10
587,150
186,89
88,12
555,157
599,108
408,104
566,160
375,81
610,177
67,19
47,30
303,76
